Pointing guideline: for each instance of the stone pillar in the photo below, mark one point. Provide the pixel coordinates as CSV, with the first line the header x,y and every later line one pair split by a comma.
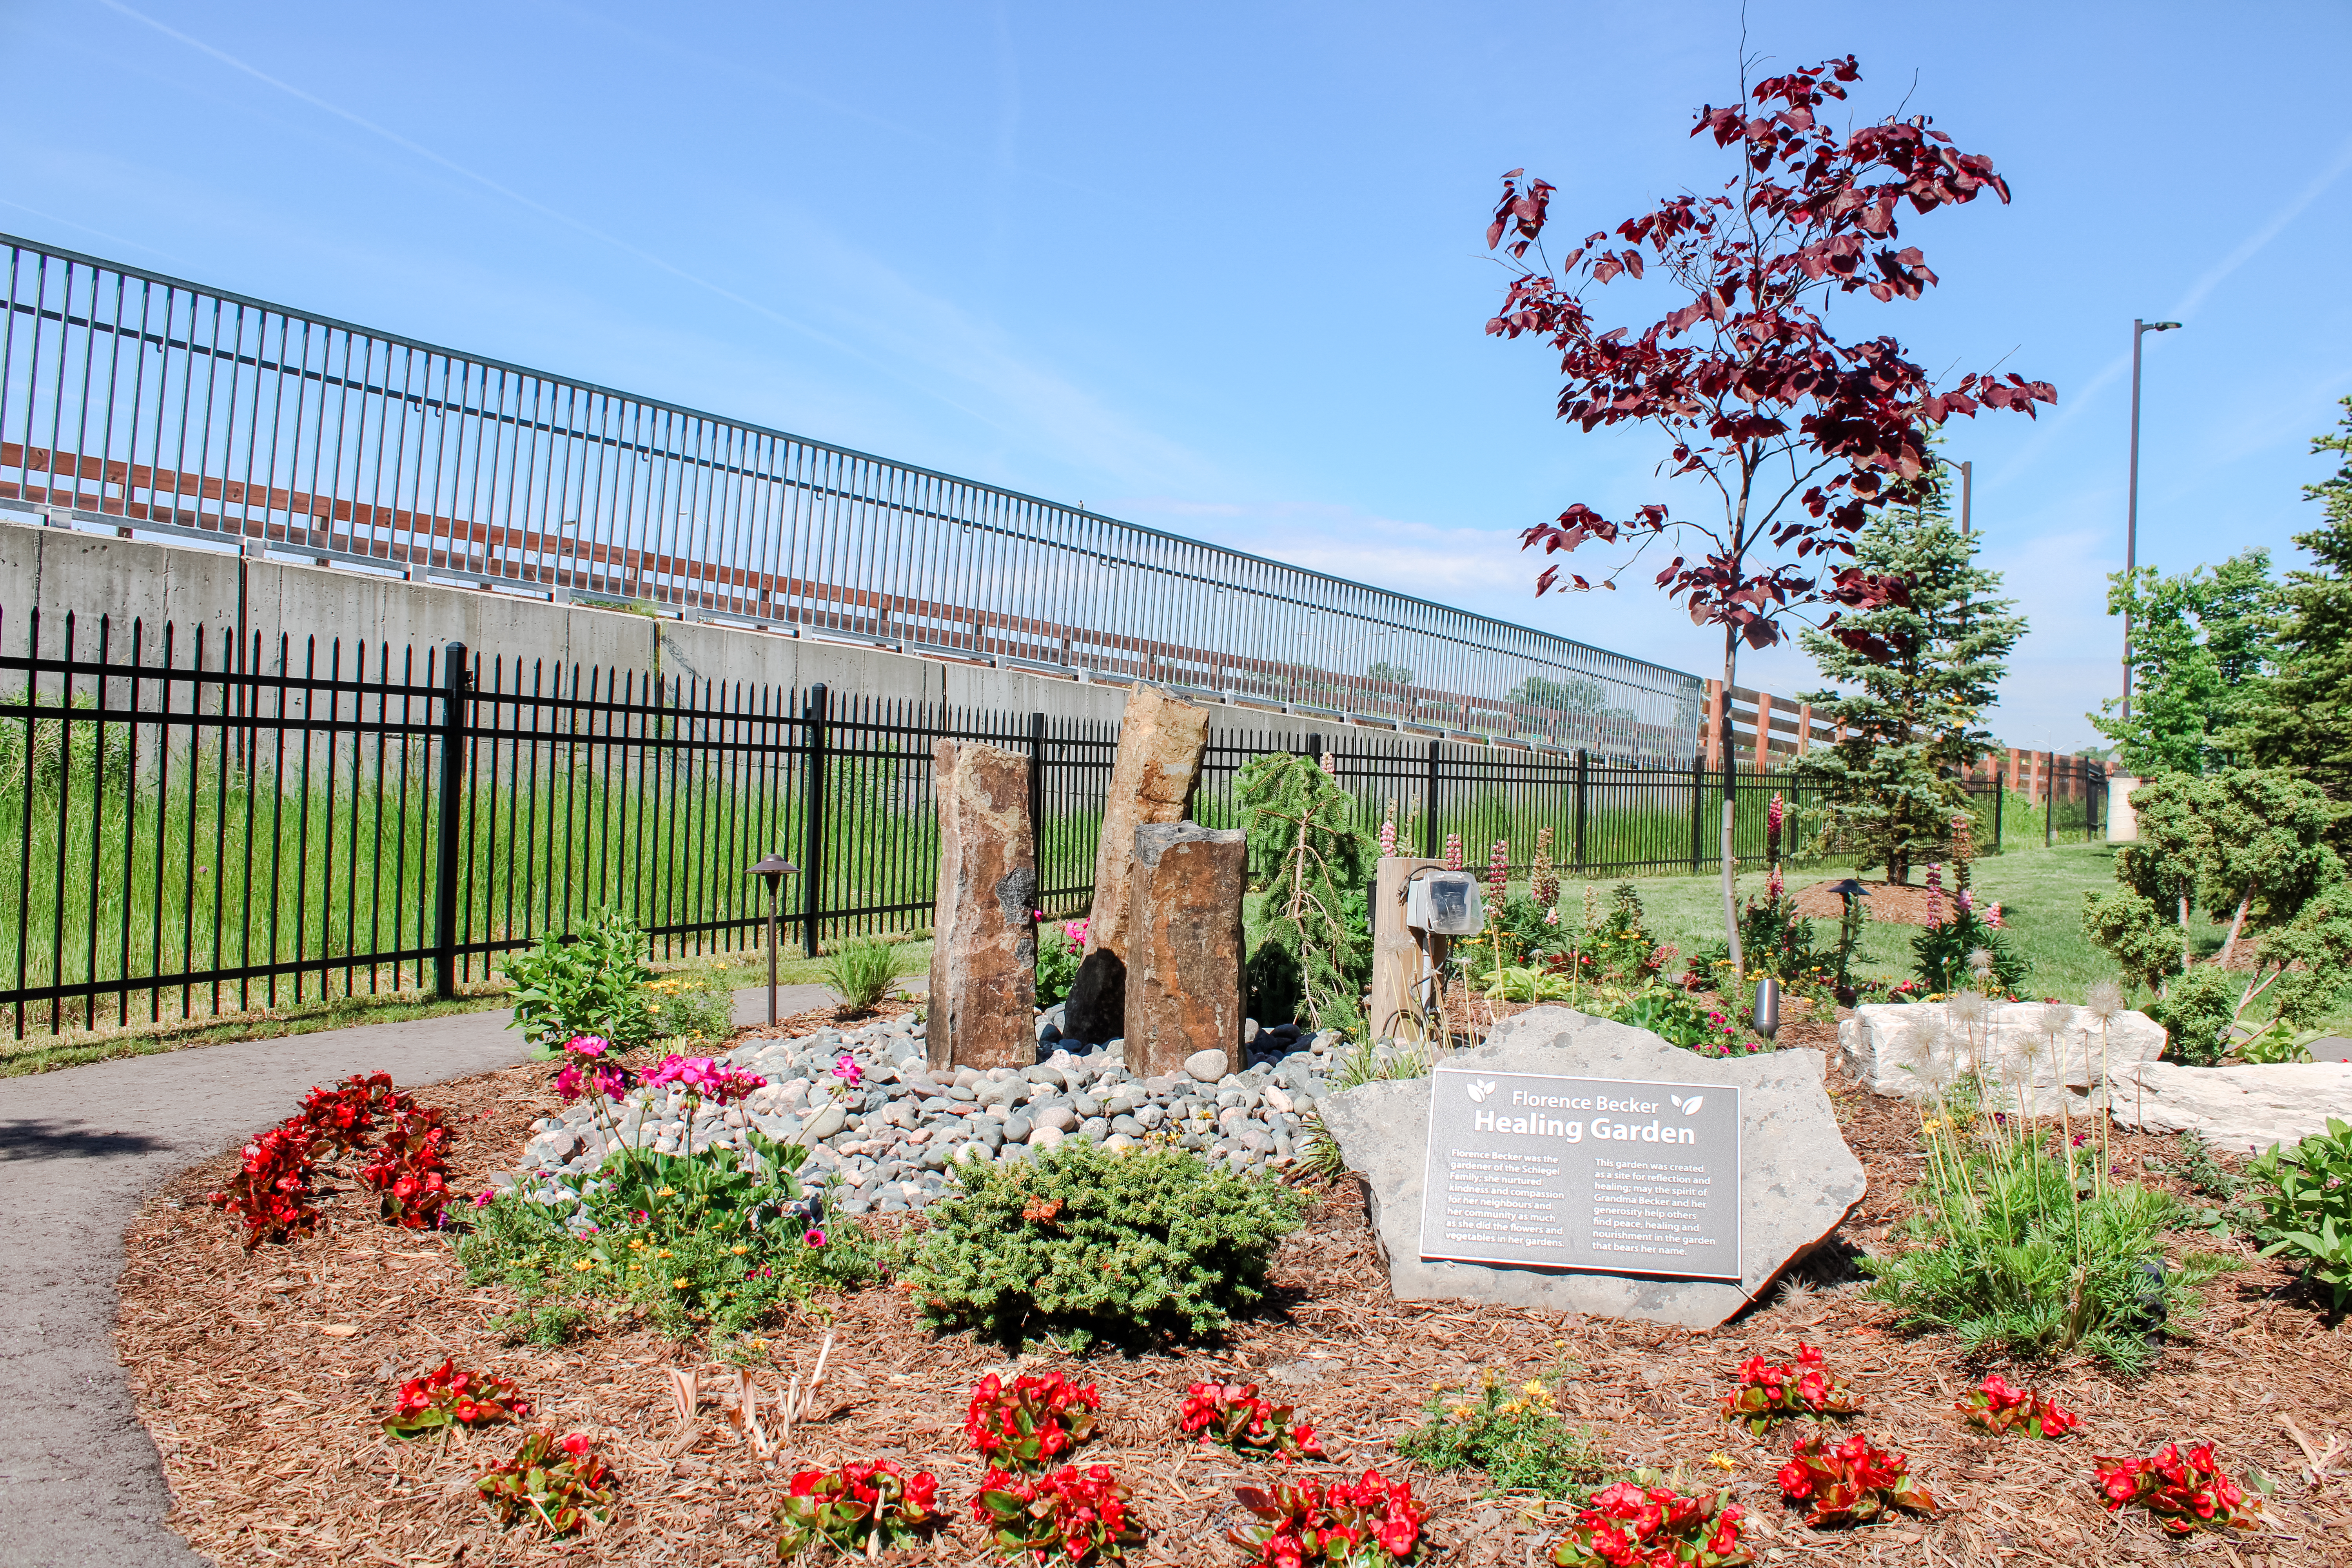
x,y
983,1001
1397,958
1159,761
1184,984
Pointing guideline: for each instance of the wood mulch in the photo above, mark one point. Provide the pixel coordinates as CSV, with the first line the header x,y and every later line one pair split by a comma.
x,y
262,1376
1899,903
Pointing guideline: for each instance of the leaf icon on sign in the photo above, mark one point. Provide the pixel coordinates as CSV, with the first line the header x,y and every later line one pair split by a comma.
x,y
1478,1090
1690,1106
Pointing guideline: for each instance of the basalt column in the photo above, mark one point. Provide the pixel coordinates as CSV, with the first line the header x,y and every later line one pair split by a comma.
x,y
983,998
1160,745
1184,990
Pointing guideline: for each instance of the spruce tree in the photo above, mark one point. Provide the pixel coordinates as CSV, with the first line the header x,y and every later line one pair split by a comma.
x,y
2201,643
1913,680
2304,717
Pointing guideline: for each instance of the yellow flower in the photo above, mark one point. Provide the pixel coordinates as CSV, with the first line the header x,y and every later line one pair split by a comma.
x,y
584,1265
637,1242
680,1283
1534,1390
1461,1413
738,1251
1722,1461
667,1193
663,1253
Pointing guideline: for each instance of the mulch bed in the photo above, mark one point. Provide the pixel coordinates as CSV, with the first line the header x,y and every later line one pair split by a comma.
x,y
262,1376
1899,903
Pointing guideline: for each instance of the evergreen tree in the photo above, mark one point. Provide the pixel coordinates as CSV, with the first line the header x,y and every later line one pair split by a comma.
x,y
2201,643
2304,720
1914,676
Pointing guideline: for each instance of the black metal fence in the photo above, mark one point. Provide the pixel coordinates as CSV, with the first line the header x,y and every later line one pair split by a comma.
x,y
202,827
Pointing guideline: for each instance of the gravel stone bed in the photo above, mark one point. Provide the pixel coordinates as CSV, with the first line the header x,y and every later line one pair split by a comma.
x,y
889,1142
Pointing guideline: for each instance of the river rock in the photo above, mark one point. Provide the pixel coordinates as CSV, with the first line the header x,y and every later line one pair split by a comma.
x,y
984,954
1914,1050
1159,761
2242,1109
1185,986
1798,1180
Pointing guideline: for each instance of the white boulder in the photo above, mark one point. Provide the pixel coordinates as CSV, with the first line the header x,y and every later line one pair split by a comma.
x,y
2242,1109
2035,1048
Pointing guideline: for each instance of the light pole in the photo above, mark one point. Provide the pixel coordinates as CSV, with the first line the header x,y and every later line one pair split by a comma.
x,y
2131,515
772,870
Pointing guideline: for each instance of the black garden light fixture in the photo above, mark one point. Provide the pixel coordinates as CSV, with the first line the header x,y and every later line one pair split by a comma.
x,y
772,870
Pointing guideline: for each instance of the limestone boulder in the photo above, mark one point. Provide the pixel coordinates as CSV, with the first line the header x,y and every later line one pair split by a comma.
x,y
1160,745
2051,1052
983,989
2244,1109
1185,986
1798,1180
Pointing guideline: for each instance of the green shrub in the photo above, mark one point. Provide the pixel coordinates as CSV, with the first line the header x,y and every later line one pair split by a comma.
x,y
1086,1245
592,985
691,1003
692,1242
2195,1011
1946,954
2279,1041
2306,1194
1513,1434
2030,1254
861,972
1058,962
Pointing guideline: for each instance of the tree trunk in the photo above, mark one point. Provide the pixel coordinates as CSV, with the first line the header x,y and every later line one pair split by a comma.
x,y
1730,867
2237,923
2186,957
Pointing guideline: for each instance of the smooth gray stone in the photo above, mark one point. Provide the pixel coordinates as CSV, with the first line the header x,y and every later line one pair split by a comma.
x,y
1094,1128
1129,1125
1798,1180
1051,1076
1060,1117
1206,1066
1016,1129
826,1123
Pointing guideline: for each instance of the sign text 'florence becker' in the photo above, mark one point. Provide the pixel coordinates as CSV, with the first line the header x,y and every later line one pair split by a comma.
x,y
1595,1173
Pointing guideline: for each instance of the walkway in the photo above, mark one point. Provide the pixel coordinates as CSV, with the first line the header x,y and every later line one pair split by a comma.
x,y
80,1483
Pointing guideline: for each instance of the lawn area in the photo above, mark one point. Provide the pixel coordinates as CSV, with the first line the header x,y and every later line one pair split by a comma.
x,y
2041,894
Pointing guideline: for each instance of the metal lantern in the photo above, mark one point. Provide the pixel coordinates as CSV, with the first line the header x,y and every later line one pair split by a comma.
x,y
772,870
1767,1014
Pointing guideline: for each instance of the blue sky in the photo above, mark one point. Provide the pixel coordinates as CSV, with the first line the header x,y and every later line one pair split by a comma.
x,y
1219,268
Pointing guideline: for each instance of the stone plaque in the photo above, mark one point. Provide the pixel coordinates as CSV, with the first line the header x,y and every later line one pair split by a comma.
x,y
1621,1175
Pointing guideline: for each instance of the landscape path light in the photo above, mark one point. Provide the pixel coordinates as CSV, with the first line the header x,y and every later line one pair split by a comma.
x,y
773,869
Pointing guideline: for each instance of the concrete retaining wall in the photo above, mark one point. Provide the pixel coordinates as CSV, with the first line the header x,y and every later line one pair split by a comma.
x,y
60,570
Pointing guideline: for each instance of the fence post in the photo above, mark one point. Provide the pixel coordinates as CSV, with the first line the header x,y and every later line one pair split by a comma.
x,y
1583,759
453,779
2000,794
2049,801
1429,806
813,820
1037,801
1698,809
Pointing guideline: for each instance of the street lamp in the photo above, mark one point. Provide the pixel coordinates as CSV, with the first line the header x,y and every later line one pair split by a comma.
x,y
772,870
2131,516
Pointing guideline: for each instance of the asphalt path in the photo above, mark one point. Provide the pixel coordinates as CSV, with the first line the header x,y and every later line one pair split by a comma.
x,y
80,1482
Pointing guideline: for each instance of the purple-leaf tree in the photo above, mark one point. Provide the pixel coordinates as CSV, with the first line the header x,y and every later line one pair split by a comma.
x,y
1799,436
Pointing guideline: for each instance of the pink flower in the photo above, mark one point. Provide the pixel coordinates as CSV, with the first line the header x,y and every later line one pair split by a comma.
x,y
1453,851
846,1070
1387,837
576,1445
1075,930
588,1045
1551,916
813,1236
485,1197
1992,914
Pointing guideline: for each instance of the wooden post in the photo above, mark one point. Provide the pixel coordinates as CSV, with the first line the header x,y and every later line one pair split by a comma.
x,y
1763,732
1397,960
1804,728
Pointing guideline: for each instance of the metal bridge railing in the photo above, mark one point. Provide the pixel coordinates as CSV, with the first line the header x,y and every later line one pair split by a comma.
x,y
143,401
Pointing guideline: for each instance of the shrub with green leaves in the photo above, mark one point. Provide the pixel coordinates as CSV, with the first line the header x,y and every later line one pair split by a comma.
x,y
1085,1245
1514,1434
1058,952
860,971
2195,1011
692,1242
2306,1194
2020,1251
592,985
690,1005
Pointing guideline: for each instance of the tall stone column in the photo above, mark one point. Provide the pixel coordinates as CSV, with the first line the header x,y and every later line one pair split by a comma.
x,y
1184,983
1160,745
983,1001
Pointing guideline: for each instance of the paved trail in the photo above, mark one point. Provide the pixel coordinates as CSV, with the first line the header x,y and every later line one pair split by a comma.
x,y
80,1483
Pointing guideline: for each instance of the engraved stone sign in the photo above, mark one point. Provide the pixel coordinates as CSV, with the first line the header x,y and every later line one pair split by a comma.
x,y
1631,1176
